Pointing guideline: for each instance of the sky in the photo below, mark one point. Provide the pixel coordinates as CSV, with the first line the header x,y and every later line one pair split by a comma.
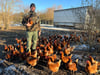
x,y
43,4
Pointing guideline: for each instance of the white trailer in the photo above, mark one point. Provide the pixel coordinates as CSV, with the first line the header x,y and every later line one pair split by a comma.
x,y
73,17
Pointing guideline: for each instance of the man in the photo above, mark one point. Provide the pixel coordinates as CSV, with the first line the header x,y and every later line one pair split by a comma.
x,y
32,24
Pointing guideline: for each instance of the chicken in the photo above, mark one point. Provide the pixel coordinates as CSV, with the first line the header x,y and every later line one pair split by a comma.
x,y
63,43
28,54
65,59
72,66
30,21
55,45
17,52
32,61
34,55
46,53
54,67
18,41
14,53
59,47
53,57
69,50
45,41
41,54
50,50
37,48
6,48
21,49
10,47
91,69
25,43
8,56
41,45
94,61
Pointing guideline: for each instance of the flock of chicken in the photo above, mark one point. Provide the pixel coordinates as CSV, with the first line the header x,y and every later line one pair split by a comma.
x,y
55,50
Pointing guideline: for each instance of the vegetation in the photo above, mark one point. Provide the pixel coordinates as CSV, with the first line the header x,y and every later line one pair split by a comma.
x,y
11,12
93,25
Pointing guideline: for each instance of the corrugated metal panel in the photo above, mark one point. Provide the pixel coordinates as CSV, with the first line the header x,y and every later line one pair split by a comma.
x,y
76,15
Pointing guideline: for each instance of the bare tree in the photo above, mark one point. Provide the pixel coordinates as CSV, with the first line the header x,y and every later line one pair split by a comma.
x,y
7,8
92,24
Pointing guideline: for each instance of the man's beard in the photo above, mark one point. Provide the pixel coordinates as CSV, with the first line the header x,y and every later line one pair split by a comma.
x,y
32,10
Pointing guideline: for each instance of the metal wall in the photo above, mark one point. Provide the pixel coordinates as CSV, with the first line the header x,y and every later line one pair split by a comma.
x,y
70,16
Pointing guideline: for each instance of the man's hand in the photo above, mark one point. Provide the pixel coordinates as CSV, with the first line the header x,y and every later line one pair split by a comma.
x,y
39,33
28,24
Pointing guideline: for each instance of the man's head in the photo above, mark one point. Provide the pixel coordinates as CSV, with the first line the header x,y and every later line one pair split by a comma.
x,y
32,7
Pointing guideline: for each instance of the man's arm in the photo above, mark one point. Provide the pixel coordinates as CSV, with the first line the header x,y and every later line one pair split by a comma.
x,y
24,20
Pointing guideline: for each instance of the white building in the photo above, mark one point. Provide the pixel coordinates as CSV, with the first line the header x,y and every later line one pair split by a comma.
x,y
73,17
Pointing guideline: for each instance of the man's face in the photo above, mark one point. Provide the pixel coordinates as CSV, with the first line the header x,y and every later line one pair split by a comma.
x,y
32,8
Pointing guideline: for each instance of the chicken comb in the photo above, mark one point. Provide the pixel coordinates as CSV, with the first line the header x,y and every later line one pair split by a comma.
x,y
87,61
89,56
48,44
69,57
16,38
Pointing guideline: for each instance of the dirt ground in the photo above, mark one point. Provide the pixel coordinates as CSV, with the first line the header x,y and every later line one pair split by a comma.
x,y
8,37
